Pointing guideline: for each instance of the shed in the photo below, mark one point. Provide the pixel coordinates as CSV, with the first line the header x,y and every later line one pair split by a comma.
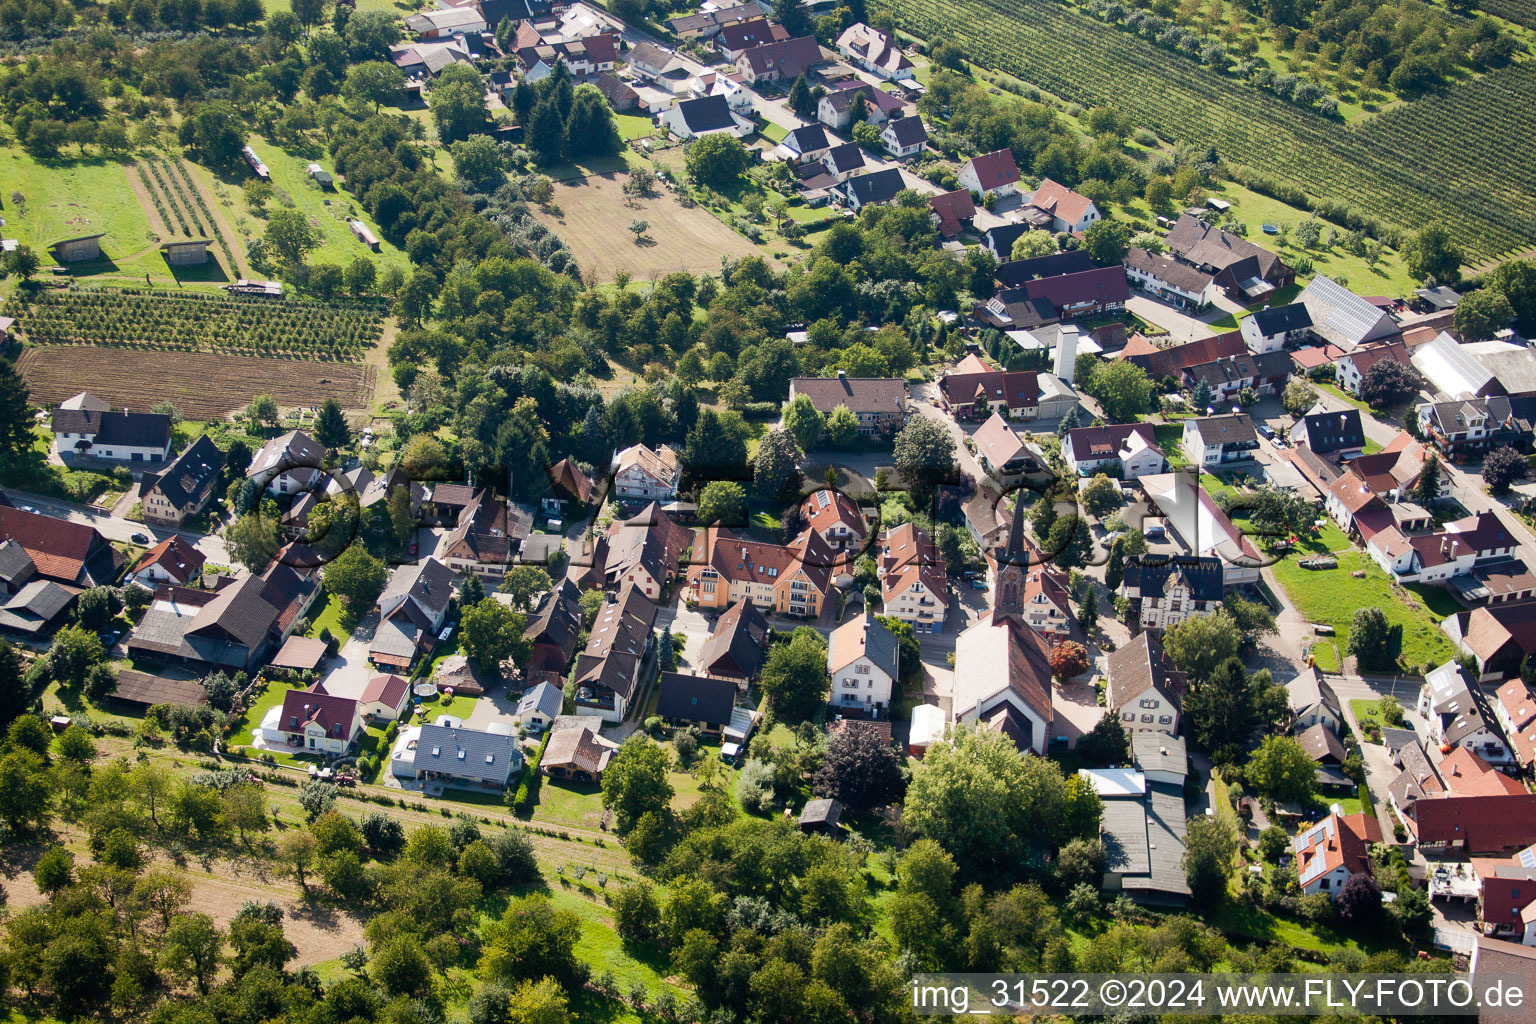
x,y
147,690
75,250
363,234
189,253
301,653
320,176
822,816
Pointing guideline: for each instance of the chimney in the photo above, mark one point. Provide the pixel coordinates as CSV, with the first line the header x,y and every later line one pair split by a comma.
x,y
1066,354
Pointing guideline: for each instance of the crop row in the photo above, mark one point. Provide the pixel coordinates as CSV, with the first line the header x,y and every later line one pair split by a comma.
x,y
1521,12
1413,165
182,216
179,168
159,201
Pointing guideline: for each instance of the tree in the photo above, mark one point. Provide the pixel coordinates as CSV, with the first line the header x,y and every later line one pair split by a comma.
x,y
214,134
523,582
289,237
1412,911
1251,617
776,470
795,676
1501,467
1106,242
21,261
723,502
15,420
24,791
399,965
490,633
361,275
76,744
1298,396
1122,388
1427,487
1159,193
1371,640
591,130
356,577
532,939
716,160
1088,610
640,784
256,936
1431,253
801,100
374,81
1081,862
162,891
1210,846
296,852
1359,900
983,801
192,949
1201,642
331,427
478,161
253,540
1282,769
1068,659
1106,744
1516,280
73,651
457,102
861,768
1069,544
54,870
804,421
1101,496
924,453
546,132
1482,314
842,431
1222,711
1031,244
1388,383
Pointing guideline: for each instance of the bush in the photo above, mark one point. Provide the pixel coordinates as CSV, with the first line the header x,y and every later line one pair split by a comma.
x,y
528,788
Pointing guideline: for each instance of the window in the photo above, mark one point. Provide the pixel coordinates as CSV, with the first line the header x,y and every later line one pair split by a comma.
x,y
1323,884
1165,720
1149,703
1130,716
1147,719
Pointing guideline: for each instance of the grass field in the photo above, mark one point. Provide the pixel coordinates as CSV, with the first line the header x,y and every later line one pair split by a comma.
x,y
1332,595
1368,713
632,126
596,216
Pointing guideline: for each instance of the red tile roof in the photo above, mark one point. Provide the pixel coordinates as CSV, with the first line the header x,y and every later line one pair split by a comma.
x,y
1520,712
951,208
176,556
995,169
1485,824
1466,774
1060,201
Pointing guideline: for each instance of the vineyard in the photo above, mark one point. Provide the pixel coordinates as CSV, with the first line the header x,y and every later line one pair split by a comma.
x,y
202,385
136,318
1521,12
179,203
1450,158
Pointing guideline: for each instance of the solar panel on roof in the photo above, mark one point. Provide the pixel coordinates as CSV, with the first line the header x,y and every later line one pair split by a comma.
x,y
1527,857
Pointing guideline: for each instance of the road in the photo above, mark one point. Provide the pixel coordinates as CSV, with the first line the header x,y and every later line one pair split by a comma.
x,y
1180,325
115,528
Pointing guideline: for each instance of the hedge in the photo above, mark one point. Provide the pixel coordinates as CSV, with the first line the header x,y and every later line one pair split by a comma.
x,y
528,789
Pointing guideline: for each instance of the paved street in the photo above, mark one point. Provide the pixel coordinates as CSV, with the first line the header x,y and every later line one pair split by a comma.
x,y
1180,325
117,529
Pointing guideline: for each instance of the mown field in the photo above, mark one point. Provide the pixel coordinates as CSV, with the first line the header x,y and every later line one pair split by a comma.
x,y
1461,157
202,385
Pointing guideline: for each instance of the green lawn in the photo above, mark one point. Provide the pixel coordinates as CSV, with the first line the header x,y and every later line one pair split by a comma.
x,y
773,132
329,617
459,707
632,126
1332,595
1368,713
1360,803
1338,393
248,725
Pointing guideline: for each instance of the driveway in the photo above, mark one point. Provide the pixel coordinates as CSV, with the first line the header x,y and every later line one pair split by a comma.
x,y
1180,325
348,671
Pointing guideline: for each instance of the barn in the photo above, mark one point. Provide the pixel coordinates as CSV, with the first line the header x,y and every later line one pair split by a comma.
x,y
190,253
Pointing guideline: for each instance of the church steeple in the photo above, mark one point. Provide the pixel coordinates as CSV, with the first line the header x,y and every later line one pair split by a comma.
x,y
1013,566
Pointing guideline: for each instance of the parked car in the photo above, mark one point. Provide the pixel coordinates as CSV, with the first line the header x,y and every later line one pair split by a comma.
x,y
141,538
978,584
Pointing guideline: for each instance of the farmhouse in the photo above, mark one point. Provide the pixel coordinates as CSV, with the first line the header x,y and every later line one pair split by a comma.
x,y
1167,278
486,536
86,427
184,488
1237,264
69,553
643,474
173,560
1340,317
874,50
191,252
1054,207
1130,448
1498,637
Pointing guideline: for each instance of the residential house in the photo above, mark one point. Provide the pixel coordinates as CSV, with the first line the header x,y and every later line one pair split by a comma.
x,y
185,487
1327,752
86,427
1387,476
699,701
736,39
879,403
1144,688
781,61
1242,268
1506,896
1169,279
993,172
1087,293
289,464
576,752
1473,824
874,50
839,108
1271,328
1018,394
567,483
1339,434
313,722
553,630
705,115
904,137
1054,207
643,474
913,584
646,551
999,238
1229,376
1353,365
69,553
173,560
1171,362
808,142
661,66
952,211
1502,582
707,24
790,579
1458,715
837,518
871,188
385,697
738,644
608,669
1459,426
843,162
1312,702
1162,759
1342,318
450,755
485,540
1498,637
231,628
1336,848
1125,450
411,612
1002,453
1449,552
1165,591
538,708
1214,441
1012,273
16,567
1195,525
1003,682
863,663
1515,709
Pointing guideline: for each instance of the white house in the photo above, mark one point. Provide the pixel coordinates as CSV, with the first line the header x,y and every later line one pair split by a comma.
x,y
1130,448
1003,682
87,427
539,707
913,584
1218,440
874,50
1328,853
991,172
385,697
290,464
1067,210
643,474
1168,591
1458,715
1144,689
1449,552
1312,702
1167,278
706,115
904,137
863,663
1268,329
312,722
1355,364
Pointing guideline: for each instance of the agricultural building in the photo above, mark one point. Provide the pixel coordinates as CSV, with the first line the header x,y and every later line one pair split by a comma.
x,y
76,250
363,234
190,253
